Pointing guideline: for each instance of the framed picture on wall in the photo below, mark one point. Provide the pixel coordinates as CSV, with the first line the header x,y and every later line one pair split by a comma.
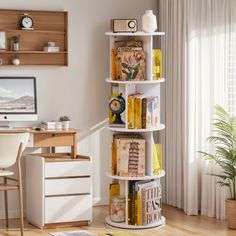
x,y
3,44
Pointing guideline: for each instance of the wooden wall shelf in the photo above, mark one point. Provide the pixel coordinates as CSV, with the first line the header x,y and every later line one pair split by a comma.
x,y
49,26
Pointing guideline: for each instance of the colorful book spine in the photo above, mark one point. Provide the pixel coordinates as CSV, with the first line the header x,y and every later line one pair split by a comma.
x,y
155,112
138,112
156,159
131,112
144,113
156,64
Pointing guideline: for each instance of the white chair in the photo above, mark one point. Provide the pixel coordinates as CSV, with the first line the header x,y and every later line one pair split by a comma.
x,y
11,147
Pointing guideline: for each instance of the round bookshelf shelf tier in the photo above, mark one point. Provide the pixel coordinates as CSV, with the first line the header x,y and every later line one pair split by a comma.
x,y
138,33
118,129
123,225
162,80
147,177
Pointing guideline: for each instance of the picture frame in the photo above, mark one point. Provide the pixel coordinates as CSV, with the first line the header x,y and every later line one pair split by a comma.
x,y
3,41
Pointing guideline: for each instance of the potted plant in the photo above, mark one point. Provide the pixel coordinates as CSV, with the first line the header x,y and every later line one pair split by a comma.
x,y
224,155
65,122
16,42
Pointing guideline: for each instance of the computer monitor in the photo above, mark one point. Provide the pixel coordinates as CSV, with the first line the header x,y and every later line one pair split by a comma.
x,y
18,100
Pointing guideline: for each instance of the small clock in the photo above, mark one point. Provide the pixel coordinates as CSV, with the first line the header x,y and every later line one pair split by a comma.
x,y
26,21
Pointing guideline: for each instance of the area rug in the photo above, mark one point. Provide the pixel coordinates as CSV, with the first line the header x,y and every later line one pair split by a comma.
x,y
86,233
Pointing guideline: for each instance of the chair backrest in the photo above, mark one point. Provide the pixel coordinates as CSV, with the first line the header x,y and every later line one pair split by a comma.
x,y
9,146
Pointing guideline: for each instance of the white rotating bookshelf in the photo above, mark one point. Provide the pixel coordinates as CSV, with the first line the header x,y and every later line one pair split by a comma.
x,y
149,87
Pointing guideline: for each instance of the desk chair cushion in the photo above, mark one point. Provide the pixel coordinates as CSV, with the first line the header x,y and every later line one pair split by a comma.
x,y
5,173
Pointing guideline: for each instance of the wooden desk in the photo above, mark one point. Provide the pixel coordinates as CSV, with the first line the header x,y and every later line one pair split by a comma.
x,y
52,139
56,138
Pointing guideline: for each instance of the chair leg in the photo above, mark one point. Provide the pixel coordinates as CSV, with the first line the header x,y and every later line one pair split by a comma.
x,y
21,209
6,204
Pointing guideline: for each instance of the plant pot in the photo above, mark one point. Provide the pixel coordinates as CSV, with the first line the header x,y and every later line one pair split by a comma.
x,y
231,213
59,125
16,46
65,125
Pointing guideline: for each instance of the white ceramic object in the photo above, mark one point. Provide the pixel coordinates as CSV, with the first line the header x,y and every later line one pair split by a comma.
x,y
149,22
16,46
16,61
65,125
59,125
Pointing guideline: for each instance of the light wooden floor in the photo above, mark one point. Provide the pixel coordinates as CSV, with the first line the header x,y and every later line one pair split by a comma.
x,y
177,224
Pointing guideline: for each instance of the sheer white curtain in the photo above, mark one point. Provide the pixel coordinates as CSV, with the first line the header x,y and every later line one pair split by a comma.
x,y
196,52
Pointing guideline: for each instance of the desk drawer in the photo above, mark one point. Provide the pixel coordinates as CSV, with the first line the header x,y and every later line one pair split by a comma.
x,y
52,140
68,209
67,186
68,169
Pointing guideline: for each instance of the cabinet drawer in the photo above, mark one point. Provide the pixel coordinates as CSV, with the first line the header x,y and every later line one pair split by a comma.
x,y
52,140
68,209
68,169
67,186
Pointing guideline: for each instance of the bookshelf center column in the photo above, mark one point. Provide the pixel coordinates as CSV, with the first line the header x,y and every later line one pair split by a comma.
x,y
134,115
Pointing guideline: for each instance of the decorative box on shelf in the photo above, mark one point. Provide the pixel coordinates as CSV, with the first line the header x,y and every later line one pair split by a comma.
x,y
134,116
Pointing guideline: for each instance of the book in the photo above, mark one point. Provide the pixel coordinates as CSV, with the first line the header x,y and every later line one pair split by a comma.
x,y
156,159
118,47
131,112
114,148
144,113
156,64
149,110
131,203
151,203
114,190
155,112
138,110
49,125
131,65
131,157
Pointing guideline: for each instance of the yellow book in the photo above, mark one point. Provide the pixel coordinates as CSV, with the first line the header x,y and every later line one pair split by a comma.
x,y
131,112
138,112
113,191
156,64
113,64
156,159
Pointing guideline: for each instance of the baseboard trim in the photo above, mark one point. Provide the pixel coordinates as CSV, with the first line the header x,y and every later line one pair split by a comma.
x,y
100,201
12,214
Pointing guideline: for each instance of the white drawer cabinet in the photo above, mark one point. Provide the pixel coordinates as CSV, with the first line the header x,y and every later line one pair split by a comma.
x,y
58,191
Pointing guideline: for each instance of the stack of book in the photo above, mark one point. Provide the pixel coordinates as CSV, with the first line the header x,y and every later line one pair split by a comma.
x,y
49,125
142,111
144,202
128,61
128,155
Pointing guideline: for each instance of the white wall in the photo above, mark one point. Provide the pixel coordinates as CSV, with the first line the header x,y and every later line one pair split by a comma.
x,y
79,90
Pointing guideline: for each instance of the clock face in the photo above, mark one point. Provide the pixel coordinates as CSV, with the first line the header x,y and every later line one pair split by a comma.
x,y
27,22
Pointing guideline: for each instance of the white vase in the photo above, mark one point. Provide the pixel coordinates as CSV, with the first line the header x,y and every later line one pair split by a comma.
x,y
65,125
16,61
149,22
59,125
16,46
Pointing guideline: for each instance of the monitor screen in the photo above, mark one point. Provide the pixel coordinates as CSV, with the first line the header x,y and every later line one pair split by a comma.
x,y
17,97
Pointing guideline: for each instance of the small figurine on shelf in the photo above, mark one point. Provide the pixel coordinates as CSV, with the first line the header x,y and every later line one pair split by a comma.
x,y
16,60
65,122
16,42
